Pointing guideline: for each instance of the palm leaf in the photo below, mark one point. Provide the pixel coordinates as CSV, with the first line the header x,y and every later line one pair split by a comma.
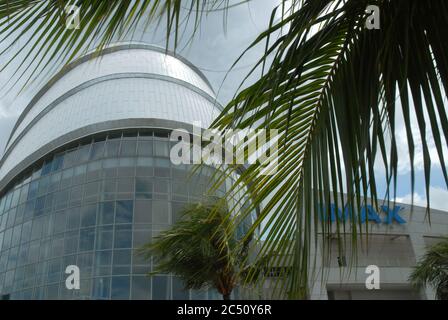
x,y
433,269
43,24
331,91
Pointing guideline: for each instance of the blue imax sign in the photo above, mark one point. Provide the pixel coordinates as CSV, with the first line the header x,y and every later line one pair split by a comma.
x,y
367,213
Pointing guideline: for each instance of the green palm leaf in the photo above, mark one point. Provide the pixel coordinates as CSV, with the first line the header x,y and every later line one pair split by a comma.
x,y
433,270
200,250
329,85
331,90
43,24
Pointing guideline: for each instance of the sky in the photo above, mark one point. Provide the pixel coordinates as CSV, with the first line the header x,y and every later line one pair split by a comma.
x,y
213,51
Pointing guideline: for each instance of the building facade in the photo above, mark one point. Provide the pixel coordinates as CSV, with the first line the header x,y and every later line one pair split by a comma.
x,y
86,179
395,237
86,176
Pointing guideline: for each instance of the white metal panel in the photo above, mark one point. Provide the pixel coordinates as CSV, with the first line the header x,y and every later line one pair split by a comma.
x,y
123,61
171,89
116,99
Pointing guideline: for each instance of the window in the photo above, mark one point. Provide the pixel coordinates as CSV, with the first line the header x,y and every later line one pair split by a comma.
x,y
143,188
3,261
97,151
59,222
101,288
85,262
66,178
122,257
83,154
79,174
39,206
3,222
43,185
76,195
93,171
36,231
23,255
109,188
125,185
162,168
123,236
179,292
71,242
88,215
23,194
128,148
69,158
104,237
143,211
145,148
86,239
54,182
73,218
161,186
60,199
124,211
91,191
57,246
160,288
142,235
112,148
126,167
106,213
34,252
120,288
32,192
9,280
110,167
13,254
141,288
161,148
16,233
160,212
145,167
46,168
180,189
140,265
58,162
103,261
26,232
49,201
103,258
177,210
11,218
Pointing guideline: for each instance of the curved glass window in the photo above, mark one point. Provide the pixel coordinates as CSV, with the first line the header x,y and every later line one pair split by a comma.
x,y
92,204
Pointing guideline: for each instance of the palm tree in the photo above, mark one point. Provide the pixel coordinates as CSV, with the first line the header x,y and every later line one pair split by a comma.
x,y
433,269
334,88
200,250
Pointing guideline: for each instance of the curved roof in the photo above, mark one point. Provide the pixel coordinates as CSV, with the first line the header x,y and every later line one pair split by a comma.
x,y
121,82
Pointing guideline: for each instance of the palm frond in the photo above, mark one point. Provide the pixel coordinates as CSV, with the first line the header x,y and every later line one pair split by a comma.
x,y
433,270
43,24
331,91
199,250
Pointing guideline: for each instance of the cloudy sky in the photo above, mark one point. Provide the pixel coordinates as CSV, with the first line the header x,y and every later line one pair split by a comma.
x,y
213,51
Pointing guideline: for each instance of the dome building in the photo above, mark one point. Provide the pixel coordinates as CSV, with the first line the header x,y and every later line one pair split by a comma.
x,y
86,179
86,176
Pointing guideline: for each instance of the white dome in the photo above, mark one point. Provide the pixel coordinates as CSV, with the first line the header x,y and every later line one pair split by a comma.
x,y
126,85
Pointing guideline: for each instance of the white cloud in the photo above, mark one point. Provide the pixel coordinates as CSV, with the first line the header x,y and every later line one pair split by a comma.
x,y
438,198
404,164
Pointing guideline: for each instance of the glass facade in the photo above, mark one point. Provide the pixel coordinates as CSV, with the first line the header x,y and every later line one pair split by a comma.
x,y
91,204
